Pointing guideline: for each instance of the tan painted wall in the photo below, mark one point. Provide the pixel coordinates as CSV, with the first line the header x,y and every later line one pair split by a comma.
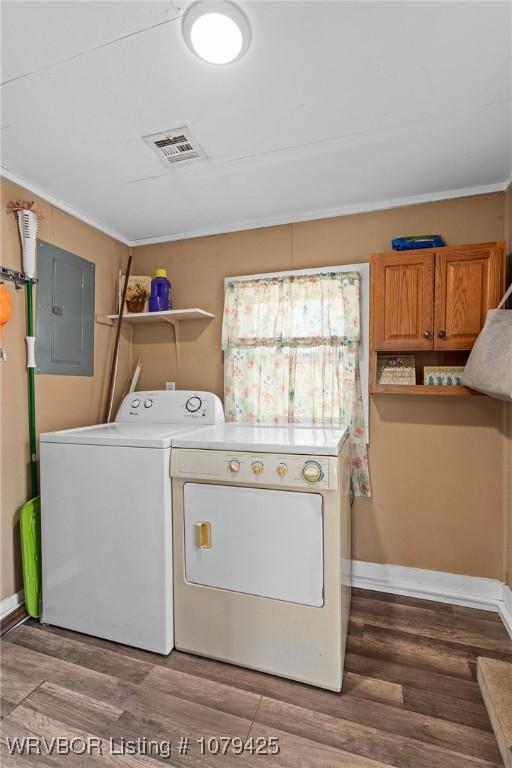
x,y
508,493
507,407
62,401
436,463
440,493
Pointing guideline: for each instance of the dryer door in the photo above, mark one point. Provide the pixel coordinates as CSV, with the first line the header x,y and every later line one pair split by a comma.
x,y
255,540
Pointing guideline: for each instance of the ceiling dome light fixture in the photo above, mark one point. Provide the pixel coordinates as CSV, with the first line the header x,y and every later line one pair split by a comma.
x,y
217,32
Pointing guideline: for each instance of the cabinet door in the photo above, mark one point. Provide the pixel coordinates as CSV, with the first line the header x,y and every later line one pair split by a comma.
x,y
468,282
402,287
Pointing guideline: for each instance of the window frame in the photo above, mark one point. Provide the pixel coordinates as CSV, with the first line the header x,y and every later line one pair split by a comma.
x,y
364,271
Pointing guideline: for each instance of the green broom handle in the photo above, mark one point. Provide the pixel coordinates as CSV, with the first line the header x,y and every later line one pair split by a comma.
x,y
31,383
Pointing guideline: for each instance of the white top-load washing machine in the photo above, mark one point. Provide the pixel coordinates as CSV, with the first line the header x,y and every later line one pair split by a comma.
x,y
262,548
106,519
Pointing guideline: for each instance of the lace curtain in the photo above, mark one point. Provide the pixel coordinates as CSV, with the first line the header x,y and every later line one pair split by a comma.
x,y
291,355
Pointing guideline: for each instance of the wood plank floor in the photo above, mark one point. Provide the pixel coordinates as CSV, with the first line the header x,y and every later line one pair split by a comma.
x,y
410,696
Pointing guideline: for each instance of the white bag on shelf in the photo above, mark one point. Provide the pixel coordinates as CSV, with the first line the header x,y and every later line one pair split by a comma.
x,y
489,366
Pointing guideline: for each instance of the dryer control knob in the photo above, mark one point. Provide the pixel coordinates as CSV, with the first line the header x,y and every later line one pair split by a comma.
x,y
234,466
257,467
135,403
312,471
148,403
281,470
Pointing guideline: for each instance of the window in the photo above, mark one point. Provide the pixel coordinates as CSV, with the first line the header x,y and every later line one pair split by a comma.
x,y
291,344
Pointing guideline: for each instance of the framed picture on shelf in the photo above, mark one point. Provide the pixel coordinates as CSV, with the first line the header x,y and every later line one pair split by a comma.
x,y
396,369
443,375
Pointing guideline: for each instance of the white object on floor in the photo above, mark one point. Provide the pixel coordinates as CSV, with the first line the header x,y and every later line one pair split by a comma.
x,y
261,520
106,519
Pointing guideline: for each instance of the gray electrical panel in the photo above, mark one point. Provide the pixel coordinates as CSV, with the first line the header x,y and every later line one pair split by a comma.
x,y
65,312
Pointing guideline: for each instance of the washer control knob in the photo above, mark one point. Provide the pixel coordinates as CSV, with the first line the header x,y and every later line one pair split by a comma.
x,y
148,403
135,403
257,467
312,472
282,469
234,466
193,404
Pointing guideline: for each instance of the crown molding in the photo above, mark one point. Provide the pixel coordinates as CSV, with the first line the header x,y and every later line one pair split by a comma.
x,y
323,213
269,221
55,201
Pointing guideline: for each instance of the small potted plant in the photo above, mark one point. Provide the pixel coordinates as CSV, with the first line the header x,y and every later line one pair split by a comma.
x,y
136,297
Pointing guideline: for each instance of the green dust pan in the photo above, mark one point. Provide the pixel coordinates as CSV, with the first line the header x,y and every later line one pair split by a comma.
x,y
30,530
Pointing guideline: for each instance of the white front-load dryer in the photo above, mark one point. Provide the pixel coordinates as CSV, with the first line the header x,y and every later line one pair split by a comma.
x,y
262,548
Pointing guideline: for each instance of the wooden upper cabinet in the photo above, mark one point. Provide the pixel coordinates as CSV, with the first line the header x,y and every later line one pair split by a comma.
x,y
434,299
468,282
402,300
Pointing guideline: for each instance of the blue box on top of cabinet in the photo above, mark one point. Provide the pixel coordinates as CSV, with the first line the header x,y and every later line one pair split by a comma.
x,y
417,241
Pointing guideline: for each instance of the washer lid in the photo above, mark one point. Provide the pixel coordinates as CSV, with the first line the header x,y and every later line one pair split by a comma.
x,y
296,438
119,434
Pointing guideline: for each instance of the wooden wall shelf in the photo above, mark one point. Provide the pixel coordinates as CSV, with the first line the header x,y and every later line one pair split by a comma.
x,y
420,389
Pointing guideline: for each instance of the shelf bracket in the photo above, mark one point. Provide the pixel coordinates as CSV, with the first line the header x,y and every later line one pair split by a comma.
x,y
104,320
175,324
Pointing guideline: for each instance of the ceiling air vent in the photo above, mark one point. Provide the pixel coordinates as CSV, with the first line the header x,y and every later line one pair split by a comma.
x,y
175,146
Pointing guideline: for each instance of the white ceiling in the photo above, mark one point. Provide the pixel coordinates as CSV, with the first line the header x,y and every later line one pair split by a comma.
x,y
337,106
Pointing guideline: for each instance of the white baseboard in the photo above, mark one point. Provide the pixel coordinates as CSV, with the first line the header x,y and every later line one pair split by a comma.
x,y
471,591
10,603
505,609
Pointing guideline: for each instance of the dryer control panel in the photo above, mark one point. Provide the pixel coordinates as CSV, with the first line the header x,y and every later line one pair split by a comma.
x,y
263,469
171,407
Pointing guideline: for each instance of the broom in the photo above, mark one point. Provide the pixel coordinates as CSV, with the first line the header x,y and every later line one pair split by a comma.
x,y
115,355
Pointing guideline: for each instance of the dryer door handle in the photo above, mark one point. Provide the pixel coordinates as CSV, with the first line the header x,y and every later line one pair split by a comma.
x,y
203,535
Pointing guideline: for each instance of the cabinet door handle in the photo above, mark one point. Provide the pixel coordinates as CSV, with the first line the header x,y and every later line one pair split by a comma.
x,y
426,334
442,334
